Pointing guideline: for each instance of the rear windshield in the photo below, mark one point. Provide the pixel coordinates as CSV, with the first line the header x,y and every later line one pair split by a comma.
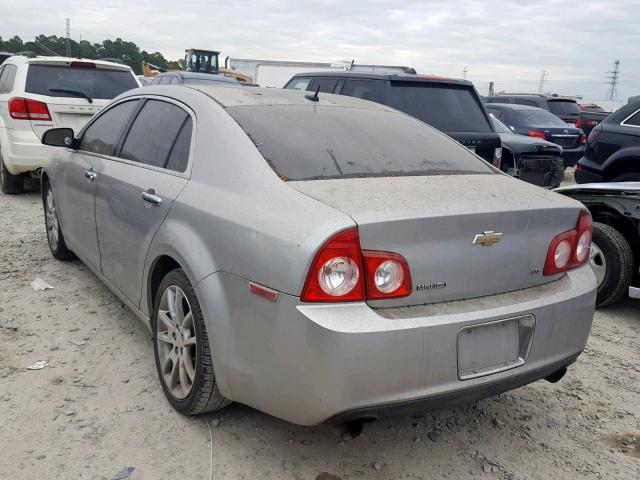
x,y
448,108
78,81
563,107
310,143
537,117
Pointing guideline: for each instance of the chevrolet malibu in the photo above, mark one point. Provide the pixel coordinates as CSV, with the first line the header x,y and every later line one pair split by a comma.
x,y
318,257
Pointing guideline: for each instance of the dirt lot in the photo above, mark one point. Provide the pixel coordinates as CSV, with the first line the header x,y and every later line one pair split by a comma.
x,y
97,408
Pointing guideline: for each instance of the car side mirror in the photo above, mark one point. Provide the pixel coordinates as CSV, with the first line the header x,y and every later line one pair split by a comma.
x,y
59,137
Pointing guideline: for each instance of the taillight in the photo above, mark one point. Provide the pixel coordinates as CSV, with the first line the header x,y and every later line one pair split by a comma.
x,y
342,272
579,123
570,249
583,139
535,133
497,157
83,64
28,109
387,275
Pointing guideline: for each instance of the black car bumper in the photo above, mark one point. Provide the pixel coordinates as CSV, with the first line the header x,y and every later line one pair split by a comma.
x,y
570,156
585,176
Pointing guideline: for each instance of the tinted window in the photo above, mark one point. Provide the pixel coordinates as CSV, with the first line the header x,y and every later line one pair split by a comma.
x,y
563,107
327,85
7,78
306,143
102,135
446,107
93,82
498,126
153,133
164,80
155,81
634,120
365,89
179,155
174,80
298,83
537,117
497,113
530,103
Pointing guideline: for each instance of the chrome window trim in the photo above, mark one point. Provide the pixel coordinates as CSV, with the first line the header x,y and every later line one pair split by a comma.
x,y
628,125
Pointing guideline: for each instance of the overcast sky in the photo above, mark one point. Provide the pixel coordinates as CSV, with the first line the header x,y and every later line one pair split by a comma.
x,y
507,42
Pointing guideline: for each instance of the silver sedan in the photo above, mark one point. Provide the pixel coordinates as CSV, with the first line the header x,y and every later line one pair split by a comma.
x,y
316,256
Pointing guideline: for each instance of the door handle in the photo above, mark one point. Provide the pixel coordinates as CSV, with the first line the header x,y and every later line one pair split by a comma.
x,y
150,197
91,175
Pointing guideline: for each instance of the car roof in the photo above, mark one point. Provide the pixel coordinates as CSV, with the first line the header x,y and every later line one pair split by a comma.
x,y
236,97
37,60
534,96
404,77
207,76
513,106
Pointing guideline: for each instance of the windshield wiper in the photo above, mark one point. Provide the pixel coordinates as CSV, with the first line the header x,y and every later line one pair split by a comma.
x,y
77,92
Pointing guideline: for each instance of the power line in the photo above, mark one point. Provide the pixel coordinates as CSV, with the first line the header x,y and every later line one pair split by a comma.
x,y
613,80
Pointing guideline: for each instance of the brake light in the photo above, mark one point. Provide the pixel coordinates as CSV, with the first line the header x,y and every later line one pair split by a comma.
x,y
583,139
28,109
83,64
570,249
342,272
387,275
535,133
579,123
497,157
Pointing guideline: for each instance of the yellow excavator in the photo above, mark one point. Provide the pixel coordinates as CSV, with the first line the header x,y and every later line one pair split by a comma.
x,y
200,61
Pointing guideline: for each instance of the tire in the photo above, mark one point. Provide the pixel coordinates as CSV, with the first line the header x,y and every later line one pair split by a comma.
x,y
195,392
611,258
10,184
55,237
627,177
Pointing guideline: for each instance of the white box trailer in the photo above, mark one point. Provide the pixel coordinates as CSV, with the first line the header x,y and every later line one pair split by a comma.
x,y
276,73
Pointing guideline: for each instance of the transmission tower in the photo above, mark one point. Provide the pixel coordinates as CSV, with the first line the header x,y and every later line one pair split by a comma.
x,y
543,77
612,77
68,53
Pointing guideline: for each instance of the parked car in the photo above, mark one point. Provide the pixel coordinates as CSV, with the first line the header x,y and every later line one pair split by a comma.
x,y
565,108
591,107
4,56
303,254
613,149
144,81
615,250
38,93
538,123
530,159
451,106
192,78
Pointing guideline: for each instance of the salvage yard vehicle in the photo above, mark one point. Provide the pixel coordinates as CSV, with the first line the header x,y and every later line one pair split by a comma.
x,y
38,93
530,159
538,123
318,257
613,149
615,250
190,78
452,106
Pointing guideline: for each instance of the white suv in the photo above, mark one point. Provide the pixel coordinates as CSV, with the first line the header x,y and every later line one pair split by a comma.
x,y
40,93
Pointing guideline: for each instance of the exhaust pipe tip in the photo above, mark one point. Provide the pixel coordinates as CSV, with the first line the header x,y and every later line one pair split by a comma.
x,y
557,375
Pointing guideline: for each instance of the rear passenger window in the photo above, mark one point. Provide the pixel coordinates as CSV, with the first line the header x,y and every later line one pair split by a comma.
x,y
365,89
299,84
153,133
634,119
103,134
179,155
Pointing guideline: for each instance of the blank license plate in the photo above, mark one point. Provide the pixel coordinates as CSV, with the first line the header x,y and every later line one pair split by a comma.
x,y
492,347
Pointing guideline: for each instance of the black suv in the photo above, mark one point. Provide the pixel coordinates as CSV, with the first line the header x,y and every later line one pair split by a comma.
x,y
451,106
613,149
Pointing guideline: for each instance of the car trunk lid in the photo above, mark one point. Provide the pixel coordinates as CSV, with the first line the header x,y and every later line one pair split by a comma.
x,y
433,222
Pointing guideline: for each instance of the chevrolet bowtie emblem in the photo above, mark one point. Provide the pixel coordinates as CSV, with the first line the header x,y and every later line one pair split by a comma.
x,y
486,239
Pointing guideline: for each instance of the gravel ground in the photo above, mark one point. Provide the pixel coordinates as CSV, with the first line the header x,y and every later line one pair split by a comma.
x,y
97,408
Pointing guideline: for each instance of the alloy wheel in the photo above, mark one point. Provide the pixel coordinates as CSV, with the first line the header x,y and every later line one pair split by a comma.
x,y
51,219
598,263
176,342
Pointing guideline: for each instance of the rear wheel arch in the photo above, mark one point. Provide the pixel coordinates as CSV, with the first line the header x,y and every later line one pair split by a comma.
x,y
629,229
619,166
159,269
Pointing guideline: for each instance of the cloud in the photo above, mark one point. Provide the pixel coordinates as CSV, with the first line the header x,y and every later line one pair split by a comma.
x,y
505,42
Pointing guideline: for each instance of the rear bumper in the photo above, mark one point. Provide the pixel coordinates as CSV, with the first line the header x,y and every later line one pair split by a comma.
x,y
22,150
308,363
586,176
570,156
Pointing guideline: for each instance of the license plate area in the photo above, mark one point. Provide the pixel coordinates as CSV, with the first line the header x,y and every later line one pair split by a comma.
x,y
493,347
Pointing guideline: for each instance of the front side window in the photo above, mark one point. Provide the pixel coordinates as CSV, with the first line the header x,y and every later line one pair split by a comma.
x,y
298,84
73,82
102,135
327,85
153,133
314,143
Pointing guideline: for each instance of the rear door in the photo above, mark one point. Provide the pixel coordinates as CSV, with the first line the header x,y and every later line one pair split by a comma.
x,y
74,91
136,190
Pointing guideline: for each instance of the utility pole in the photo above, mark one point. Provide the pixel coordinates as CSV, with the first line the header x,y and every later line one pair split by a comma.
x,y
543,77
491,89
464,73
612,76
68,38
